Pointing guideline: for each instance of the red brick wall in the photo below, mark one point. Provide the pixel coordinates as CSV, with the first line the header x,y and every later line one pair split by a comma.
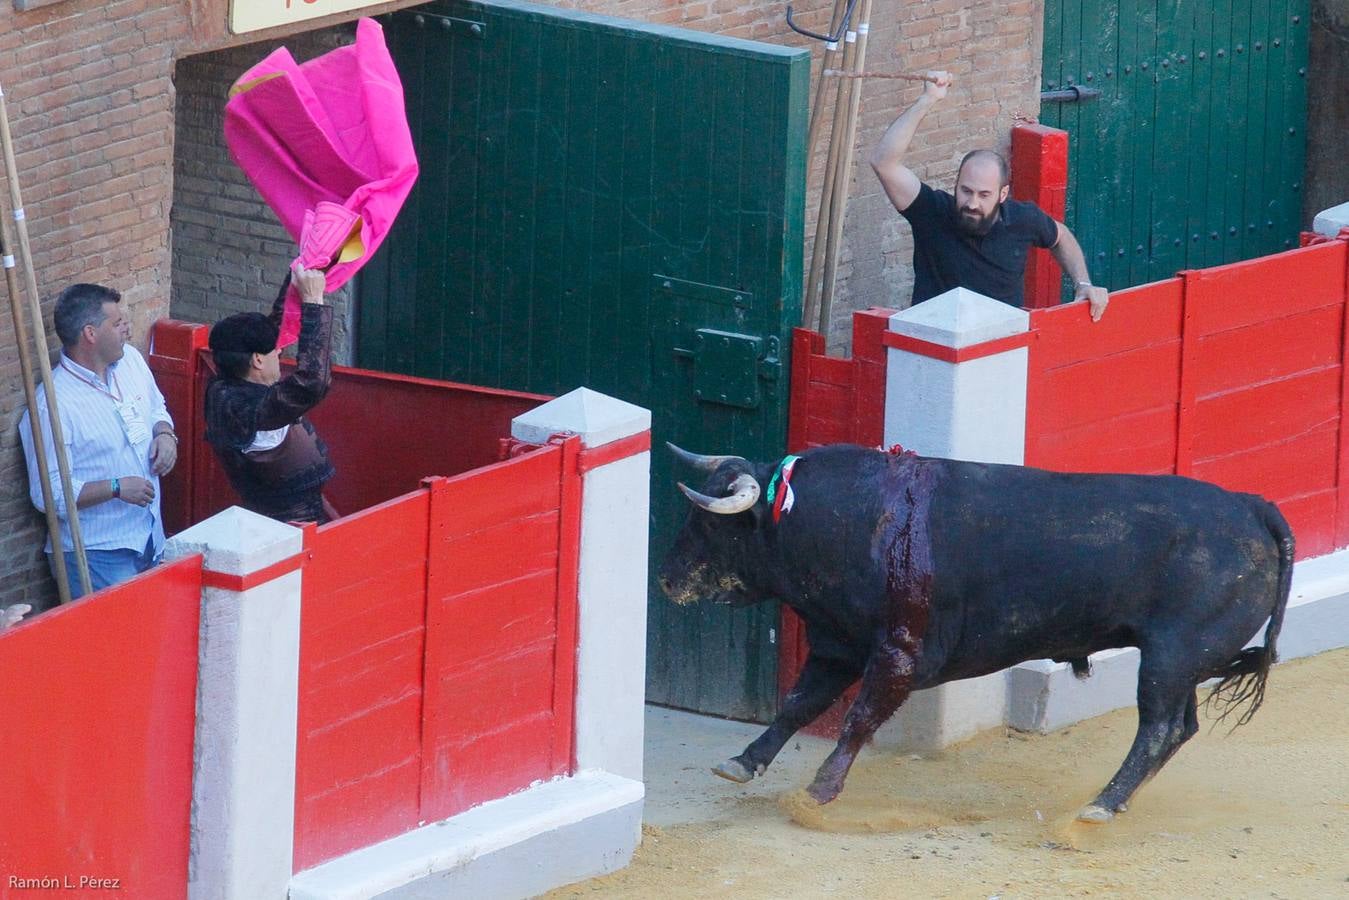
x,y
93,139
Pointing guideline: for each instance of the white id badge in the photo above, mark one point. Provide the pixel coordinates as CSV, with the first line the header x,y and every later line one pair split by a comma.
x,y
137,430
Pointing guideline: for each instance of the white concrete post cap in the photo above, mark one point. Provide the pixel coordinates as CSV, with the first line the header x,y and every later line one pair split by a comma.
x,y
960,318
598,418
237,542
1328,222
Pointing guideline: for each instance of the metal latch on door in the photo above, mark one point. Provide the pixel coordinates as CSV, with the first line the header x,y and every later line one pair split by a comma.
x,y
1070,94
727,366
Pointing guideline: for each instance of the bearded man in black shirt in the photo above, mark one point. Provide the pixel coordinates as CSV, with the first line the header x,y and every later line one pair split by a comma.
x,y
977,238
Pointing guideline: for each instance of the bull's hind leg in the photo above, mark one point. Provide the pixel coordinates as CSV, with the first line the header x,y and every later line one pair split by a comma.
x,y
885,685
821,682
1168,716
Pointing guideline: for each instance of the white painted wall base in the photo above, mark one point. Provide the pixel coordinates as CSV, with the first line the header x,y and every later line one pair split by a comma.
x,y
1044,696
552,834
941,716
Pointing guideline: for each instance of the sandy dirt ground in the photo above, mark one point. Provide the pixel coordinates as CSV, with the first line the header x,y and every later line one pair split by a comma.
x,y
1260,812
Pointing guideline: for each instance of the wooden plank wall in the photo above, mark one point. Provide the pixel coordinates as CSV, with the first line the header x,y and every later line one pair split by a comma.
x,y
362,638
437,652
839,399
501,633
1233,374
98,762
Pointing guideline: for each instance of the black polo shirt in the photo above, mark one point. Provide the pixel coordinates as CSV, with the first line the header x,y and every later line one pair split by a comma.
x,y
993,265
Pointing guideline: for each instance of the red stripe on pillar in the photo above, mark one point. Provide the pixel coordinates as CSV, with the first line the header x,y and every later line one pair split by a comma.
x,y
955,354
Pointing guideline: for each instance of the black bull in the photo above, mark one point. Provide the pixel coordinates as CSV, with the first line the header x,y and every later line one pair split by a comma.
x,y
910,572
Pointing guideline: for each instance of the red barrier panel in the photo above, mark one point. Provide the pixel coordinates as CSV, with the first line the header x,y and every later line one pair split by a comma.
x,y
173,356
362,627
839,399
1040,175
501,634
99,701
387,432
437,652
1263,388
1233,374
1101,397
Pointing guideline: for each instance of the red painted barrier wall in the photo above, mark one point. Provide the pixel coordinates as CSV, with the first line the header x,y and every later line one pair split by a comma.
x,y
1102,397
839,399
362,642
1234,374
99,711
1040,175
501,633
437,651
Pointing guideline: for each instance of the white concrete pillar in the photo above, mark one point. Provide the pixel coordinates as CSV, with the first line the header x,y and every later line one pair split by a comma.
x,y
243,781
611,636
1328,222
956,388
955,382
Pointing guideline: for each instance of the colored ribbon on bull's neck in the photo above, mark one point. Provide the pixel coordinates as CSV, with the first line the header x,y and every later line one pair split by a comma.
x,y
781,497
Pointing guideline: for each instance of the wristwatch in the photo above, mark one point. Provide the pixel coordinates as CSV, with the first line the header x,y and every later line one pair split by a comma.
x,y
116,486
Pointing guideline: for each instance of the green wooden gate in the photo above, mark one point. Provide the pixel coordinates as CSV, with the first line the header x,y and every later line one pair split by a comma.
x,y
615,205
1192,154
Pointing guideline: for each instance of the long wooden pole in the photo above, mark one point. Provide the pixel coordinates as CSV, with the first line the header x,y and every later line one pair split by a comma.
x,y
35,420
817,109
40,341
844,174
897,76
823,221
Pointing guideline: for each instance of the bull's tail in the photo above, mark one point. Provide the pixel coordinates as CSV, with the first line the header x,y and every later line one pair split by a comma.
x,y
1242,680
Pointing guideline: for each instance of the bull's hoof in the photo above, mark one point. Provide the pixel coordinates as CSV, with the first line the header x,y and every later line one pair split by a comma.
x,y
735,770
823,793
1094,814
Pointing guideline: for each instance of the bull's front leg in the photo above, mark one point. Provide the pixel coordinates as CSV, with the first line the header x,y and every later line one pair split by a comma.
x,y
821,682
885,685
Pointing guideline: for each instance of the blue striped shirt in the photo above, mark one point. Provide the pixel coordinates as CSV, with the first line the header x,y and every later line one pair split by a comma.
x,y
99,449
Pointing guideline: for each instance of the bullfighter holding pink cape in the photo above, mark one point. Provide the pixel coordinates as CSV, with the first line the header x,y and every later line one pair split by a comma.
x,y
327,146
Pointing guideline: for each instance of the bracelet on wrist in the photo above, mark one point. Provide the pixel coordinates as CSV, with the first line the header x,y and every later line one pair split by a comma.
x,y
116,485
168,434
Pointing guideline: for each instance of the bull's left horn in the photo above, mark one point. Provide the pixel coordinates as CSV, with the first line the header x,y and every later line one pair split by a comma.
x,y
705,464
740,496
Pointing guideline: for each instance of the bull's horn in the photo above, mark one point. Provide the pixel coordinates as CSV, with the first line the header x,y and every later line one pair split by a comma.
x,y
705,464
740,496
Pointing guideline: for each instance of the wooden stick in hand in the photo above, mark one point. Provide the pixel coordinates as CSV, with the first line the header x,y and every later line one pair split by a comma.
x,y
840,73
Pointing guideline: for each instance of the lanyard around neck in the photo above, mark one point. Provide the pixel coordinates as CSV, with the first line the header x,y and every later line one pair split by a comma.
x,y
110,390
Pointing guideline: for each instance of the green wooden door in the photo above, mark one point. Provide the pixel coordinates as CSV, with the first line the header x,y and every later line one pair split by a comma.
x,y
615,205
1192,154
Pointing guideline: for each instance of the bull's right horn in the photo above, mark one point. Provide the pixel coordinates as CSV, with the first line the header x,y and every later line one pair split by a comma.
x,y
740,496
705,464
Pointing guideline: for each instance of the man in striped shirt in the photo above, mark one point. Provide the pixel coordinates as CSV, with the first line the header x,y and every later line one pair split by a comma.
x,y
118,437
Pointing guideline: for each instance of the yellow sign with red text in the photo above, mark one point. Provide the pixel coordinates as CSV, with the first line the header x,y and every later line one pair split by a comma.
x,y
255,15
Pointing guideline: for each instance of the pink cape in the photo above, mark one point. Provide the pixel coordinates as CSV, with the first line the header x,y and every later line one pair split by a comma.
x,y
327,146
